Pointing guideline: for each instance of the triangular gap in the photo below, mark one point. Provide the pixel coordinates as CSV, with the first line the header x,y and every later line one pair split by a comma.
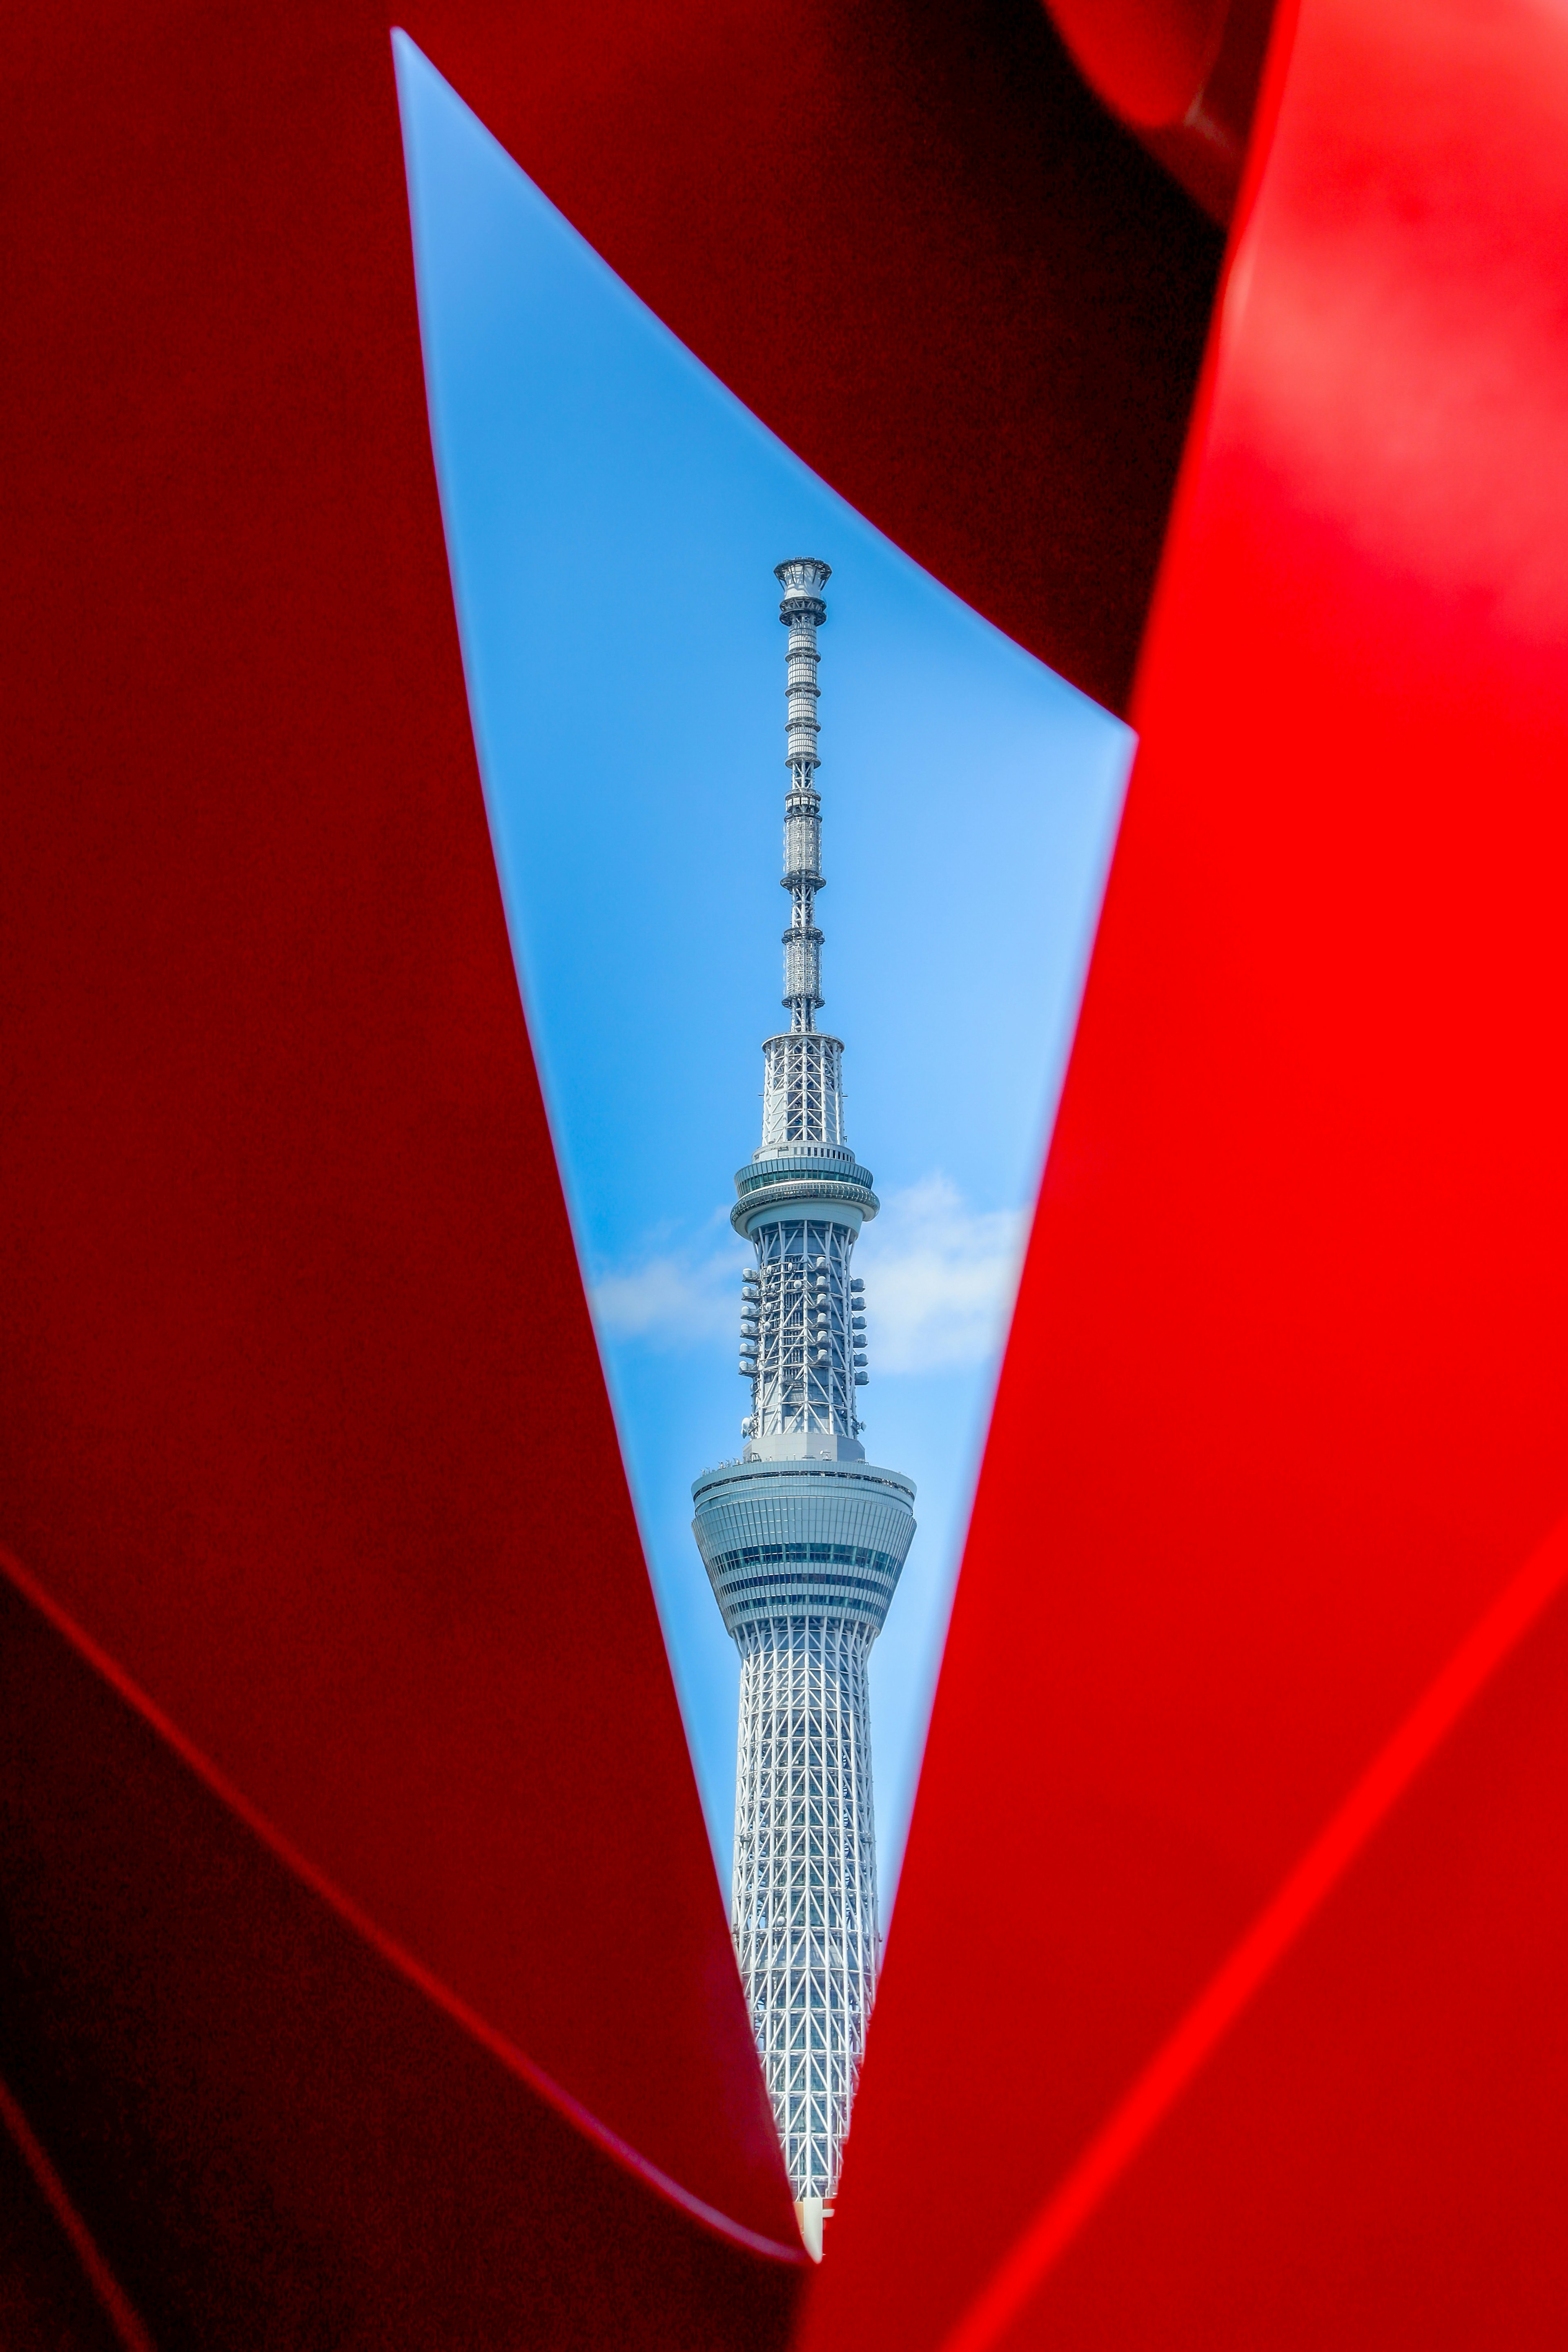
x,y
613,516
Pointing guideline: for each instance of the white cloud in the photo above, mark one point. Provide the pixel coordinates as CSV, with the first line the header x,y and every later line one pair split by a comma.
x,y
940,1279
675,1298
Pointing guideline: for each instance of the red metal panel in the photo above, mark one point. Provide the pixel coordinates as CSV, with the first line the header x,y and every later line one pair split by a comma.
x,y
282,1225
285,2132
1284,1405
47,2302
1374,2153
1184,74
283,1238
910,239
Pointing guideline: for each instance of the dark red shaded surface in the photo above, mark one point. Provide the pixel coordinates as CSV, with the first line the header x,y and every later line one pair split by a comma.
x,y
1148,59
908,236
1283,1409
1183,74
46,2301
282,1227
1286,1399
279,2137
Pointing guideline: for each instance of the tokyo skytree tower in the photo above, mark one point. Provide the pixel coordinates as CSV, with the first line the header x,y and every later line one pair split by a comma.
x,y
802,1538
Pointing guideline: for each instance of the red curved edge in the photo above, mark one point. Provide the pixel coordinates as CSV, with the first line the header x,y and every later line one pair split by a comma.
x,y
1284,1406
588,2126
267,2118
282,1212
1375,2152
1185,79
1285,1402
283,1219
1008,299
42,2298
1265,1951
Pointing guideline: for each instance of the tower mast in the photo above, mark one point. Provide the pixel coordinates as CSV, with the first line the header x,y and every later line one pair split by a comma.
x,y
803,1540
802,612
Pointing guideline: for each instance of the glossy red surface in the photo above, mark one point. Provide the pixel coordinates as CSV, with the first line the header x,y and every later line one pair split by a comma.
x,y
1371,2150
1184,75
281,1210
1006,298
280,2130
1284,1408
1148,59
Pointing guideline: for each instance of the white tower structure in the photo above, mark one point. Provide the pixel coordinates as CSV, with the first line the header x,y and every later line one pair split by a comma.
x,y
802,1538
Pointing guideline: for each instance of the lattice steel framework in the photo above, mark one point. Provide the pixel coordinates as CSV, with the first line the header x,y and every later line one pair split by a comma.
x,y
803,1088
804,1540
805,1913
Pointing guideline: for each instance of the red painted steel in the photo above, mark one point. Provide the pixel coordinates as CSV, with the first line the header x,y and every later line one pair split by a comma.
x,y
48,2297
1282,1412
280,1207
281,1211
1005,300
1183,74
286,2131
1284,1405
1307,2296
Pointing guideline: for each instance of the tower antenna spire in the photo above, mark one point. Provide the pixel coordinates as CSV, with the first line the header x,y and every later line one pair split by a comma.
x,y
803,1540
802,578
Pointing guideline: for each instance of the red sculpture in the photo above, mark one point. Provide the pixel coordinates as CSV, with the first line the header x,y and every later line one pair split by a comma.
x,y
339,2003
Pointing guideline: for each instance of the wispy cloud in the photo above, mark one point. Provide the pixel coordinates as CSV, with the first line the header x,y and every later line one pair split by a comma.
x,y
674,1299
940,1278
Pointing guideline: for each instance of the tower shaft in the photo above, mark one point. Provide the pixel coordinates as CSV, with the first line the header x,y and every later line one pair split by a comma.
x,y
803,1540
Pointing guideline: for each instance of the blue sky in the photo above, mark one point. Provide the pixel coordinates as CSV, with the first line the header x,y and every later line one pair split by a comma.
x,y
612,517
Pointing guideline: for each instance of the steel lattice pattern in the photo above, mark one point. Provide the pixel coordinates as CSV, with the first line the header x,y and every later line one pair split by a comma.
x,y
804,1914
803,1088
803,1373
803,1540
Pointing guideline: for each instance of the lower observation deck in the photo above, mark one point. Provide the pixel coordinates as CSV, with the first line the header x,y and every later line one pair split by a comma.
x,y
803,1538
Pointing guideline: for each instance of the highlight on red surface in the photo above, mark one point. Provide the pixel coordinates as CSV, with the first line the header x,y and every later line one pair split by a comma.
x,y
1181,74
315,1871
1264,1953
1283,1409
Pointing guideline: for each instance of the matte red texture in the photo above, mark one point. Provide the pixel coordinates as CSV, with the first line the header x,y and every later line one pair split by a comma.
x,y
1284,1400
282,1209
1184,74
1003,299
286,2138
1375,2153
46,2301
1282,1409
282,1216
